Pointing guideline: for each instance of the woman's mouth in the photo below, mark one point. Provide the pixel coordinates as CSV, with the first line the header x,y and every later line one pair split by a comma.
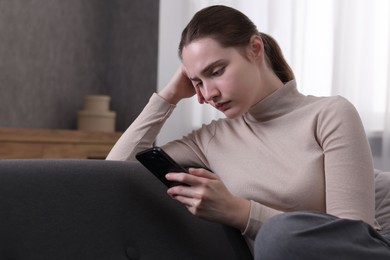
x,y
223,106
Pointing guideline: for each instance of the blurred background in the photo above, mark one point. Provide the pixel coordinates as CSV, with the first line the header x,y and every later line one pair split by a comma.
x,y
335,47
53,53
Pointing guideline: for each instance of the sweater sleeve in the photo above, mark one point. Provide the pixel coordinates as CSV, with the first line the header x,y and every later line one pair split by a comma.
x,y
348,167
257,216
142,133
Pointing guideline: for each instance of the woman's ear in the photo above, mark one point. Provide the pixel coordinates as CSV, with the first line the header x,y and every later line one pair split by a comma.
x,y
255,47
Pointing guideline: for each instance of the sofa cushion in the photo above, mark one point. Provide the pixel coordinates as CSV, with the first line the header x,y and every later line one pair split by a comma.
x,y
382,199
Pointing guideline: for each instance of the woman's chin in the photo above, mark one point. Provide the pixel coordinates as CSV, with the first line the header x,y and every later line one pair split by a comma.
x,y
231,113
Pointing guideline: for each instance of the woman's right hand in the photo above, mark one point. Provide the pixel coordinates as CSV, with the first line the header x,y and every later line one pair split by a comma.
x,y
179,87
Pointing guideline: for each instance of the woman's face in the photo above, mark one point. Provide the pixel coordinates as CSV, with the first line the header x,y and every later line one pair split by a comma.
x,y
223,76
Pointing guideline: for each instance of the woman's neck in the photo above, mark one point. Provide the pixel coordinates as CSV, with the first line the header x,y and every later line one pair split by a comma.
x,y
269,83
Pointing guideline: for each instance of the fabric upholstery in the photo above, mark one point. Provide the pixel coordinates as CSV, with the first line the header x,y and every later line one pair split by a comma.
x,y
382,199
92,209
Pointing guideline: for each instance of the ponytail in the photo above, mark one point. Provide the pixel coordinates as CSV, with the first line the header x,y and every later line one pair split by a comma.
x,y
276,59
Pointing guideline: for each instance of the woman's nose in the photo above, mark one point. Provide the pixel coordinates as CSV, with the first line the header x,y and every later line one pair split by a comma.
x,y
211,92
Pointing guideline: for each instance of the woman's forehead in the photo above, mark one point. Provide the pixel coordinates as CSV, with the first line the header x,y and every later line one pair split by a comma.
x,y
201,46
199,54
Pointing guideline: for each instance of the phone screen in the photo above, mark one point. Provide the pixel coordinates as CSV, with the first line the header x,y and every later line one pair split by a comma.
x,y
159,163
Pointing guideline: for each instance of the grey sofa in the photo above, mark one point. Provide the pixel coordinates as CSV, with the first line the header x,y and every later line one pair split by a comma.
x,y
94,209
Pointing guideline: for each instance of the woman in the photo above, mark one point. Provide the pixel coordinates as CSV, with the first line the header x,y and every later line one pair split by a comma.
x,y
280,163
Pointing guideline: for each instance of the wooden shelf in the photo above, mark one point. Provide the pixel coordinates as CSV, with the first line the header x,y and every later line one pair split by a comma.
x,y
24,143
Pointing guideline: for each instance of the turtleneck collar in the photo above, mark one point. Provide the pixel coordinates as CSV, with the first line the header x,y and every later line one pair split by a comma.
x,y
278,103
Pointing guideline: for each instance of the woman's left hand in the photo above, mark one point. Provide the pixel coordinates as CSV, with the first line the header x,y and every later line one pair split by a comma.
x,y
207,197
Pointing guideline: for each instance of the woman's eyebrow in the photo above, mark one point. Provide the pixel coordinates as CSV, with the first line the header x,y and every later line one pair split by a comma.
x,y
211,66
205,71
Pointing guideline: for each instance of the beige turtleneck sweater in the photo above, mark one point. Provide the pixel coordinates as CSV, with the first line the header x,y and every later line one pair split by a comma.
x,y
290,152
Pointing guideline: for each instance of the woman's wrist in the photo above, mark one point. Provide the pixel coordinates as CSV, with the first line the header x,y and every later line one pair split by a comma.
x,y
169,96
240,213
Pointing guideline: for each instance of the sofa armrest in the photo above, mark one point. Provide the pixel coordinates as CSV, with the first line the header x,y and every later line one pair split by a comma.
x,y
95,209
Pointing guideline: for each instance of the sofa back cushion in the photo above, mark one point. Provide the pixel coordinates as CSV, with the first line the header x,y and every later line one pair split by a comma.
x,y
382,199
92,209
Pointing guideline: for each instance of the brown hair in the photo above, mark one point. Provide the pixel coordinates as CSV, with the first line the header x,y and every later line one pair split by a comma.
x,y
231,28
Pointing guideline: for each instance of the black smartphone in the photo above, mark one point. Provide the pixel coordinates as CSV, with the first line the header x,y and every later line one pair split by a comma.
x,y
158,162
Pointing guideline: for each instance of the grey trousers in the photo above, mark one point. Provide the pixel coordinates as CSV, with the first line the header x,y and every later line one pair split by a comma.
x,y
312,235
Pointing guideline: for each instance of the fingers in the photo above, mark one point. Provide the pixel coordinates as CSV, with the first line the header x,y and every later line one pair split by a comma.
x,y
184,194
189,196
208,198
190,179
200,172
190,203
193,177
201,99
198,181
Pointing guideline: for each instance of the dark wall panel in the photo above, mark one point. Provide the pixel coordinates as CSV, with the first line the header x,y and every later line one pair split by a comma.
x,y
53,53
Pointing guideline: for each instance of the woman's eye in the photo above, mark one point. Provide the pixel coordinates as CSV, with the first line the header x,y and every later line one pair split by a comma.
x,y
199,84
218,72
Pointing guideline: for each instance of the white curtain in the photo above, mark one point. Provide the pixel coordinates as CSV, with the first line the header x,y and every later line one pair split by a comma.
x,y
335,47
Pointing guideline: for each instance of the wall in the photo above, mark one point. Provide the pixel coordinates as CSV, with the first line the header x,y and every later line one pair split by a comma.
x,y
53,53
172,21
